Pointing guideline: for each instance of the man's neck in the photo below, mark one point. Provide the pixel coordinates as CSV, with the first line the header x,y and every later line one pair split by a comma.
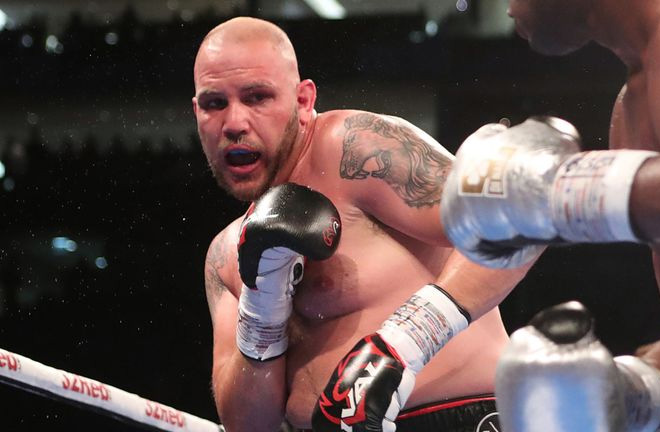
x,y
301,147
626,28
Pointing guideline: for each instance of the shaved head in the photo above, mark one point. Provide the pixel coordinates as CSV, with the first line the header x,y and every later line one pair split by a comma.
x,y
247,31
250,105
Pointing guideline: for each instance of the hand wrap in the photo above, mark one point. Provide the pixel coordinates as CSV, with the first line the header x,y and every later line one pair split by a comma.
x,y
371,384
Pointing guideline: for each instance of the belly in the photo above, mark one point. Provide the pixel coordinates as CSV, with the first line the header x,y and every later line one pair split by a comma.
x,y
340,302
465,366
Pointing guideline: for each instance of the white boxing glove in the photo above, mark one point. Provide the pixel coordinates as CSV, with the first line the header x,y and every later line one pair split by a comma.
x,y
512,191
556,376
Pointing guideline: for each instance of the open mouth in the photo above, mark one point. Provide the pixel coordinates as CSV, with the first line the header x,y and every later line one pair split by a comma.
x,y
241,157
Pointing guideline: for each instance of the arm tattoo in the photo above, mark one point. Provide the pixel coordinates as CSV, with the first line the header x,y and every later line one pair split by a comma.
x,y
412,167
215,261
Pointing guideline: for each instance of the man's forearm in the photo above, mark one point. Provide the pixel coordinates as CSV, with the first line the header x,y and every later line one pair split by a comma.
x,y
250,395
478,289
645,201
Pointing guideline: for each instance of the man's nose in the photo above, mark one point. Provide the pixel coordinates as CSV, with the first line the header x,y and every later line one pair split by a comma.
x,y
236,122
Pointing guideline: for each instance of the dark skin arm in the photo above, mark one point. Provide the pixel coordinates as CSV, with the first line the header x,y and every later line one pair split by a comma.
x,y
645,215
645,201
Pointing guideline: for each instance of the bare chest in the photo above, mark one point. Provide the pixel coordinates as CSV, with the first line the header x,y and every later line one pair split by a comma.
x,y
371,266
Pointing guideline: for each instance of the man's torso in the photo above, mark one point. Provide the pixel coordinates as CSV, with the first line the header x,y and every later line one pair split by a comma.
x,y
374,270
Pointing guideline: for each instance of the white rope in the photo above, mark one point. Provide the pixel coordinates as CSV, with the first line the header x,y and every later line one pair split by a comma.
x,y
23,372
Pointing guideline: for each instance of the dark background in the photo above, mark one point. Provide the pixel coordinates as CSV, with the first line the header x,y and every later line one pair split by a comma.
x,y
138,193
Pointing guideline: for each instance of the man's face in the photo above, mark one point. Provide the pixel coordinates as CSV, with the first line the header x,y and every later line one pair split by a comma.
x,y
552,27
247,116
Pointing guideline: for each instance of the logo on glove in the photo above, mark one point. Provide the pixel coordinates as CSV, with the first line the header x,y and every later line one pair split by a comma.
x,y
486,178
330,233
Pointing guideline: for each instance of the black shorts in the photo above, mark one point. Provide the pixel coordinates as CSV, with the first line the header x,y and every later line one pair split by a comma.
x,y
467,414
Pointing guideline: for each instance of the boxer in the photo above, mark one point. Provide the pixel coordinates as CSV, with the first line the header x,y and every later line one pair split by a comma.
x,y
573,181
283,341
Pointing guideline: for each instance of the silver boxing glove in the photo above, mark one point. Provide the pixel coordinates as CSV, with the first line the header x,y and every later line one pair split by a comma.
x,y
556,376
496,203
513,191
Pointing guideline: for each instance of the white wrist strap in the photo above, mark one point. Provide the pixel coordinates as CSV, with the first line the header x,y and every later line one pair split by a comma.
x,y
263,312
423,325
591,194
260,341
262,334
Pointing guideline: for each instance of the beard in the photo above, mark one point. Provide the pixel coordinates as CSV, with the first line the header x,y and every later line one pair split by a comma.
x,y
239,187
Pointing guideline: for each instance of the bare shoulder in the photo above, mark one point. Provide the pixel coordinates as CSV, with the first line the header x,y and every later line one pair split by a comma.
x,y
392,153
382,166
220,268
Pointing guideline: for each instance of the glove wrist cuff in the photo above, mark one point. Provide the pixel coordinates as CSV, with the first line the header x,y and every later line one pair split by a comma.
x,y
591,193
258,340
641,392
423,325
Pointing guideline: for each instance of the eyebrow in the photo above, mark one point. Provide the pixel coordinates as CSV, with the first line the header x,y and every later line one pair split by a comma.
x,y
258,85
204,93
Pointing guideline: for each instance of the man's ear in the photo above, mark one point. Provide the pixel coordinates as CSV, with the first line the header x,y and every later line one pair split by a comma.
x,y
306,100
194,102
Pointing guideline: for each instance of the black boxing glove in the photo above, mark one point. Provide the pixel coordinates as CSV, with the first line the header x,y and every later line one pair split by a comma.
x,y
372,383
283,227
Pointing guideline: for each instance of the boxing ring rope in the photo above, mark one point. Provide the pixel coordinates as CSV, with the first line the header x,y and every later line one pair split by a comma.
x,y
29,375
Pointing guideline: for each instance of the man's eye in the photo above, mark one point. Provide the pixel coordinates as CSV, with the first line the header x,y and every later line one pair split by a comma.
x,y
256,98
214,104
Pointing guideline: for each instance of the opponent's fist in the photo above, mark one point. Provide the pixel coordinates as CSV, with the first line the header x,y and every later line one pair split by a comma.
x,y
555,375
286,225
496,202
513,191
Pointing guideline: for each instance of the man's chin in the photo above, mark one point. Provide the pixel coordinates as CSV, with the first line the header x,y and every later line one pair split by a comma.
x,y
248,191
553,46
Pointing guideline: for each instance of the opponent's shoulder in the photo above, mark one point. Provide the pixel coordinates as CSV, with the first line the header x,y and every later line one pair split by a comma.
x,y
221,265
618,121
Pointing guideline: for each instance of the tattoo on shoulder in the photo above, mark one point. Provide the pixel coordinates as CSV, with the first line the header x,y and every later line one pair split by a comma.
x,y
216,259
396,154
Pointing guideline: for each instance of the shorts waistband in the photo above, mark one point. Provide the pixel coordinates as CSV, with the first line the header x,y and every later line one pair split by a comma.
x,y
466,414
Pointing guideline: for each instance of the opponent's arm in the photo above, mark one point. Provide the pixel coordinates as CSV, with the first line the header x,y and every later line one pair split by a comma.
x,y
645,201
232,372
513,191
645,197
